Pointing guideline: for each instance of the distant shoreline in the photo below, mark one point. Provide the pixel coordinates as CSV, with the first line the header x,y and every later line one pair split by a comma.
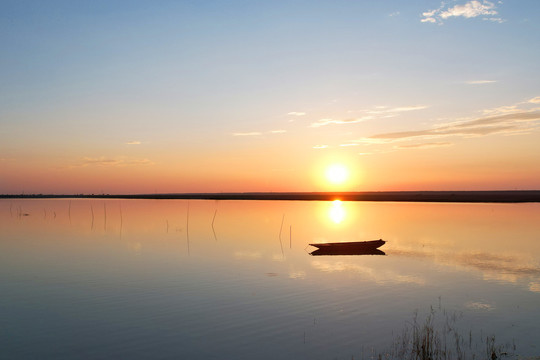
x,y
500,196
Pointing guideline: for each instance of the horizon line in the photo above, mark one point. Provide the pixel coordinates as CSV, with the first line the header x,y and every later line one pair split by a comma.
x,y
470,196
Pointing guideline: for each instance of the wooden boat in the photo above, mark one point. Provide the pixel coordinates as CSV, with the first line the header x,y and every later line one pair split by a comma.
x,y
346,251
356,245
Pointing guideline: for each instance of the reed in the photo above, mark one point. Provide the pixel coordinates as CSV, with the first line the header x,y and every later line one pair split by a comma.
x,y
213,229
104,216
121,218
92,211
440,338
187,228
121,215
290,237
281,227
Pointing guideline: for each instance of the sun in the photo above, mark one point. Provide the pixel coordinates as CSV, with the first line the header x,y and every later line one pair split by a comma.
x,y
337,174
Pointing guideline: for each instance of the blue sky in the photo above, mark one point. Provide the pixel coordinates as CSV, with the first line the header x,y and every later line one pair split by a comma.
x,y
131,84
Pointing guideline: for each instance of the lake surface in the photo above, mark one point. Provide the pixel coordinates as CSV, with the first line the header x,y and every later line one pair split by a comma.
x,y
161,279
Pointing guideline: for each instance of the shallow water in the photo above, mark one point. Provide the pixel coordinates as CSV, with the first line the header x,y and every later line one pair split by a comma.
x,y
234,279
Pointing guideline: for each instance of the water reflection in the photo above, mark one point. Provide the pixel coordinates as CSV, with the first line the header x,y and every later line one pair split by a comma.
x,y
337,212
124,268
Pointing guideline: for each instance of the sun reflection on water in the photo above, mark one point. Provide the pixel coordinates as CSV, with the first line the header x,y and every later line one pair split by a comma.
x,y
337,212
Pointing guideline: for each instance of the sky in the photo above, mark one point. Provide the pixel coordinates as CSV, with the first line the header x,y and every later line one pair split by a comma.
x,y
230,96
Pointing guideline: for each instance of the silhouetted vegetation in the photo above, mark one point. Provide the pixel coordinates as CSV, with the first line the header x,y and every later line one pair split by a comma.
x,y
515,196
438,337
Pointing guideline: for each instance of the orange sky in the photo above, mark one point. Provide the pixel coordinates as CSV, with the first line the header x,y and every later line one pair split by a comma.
x,y
192,98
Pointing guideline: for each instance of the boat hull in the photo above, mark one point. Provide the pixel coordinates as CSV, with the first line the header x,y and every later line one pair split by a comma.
x,y
357,245
349,248
346,251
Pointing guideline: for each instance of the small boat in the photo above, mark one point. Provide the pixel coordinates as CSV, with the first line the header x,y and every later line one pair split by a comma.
x,y
346,251
356,245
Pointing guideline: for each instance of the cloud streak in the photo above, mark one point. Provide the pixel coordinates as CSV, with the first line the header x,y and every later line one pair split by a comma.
x,y
480,82
324,122
486,10
512,123
424,145
253,133
378,112
112,162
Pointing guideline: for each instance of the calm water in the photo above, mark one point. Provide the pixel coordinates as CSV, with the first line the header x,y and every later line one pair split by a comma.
x,y
234,280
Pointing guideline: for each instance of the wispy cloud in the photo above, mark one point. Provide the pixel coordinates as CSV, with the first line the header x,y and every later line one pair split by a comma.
x,y
103,161
424,145
133,142
296,113
486,10
320,146
395,13
518,122
278,131
377,112
323,122
253,133
535,100
480,82
394,110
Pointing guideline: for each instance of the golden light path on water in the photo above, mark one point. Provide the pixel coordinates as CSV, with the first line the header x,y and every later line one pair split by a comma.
x,y
337,212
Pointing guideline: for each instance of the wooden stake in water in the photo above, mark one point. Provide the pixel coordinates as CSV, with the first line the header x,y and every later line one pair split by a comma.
x,y
290,237
69,211
92,210
280,242
121,219
214,230
104,216
281,227
187,227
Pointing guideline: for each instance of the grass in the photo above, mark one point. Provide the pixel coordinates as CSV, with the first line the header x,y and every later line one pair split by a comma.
x,y
438,337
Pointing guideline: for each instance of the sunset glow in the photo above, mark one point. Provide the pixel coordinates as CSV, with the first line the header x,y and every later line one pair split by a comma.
x,y
118,97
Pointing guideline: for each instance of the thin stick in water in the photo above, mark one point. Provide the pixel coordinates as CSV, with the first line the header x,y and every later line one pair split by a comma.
x,y
290,237
187,227
105,216
92,210
121,219
214,230
280,242
281,227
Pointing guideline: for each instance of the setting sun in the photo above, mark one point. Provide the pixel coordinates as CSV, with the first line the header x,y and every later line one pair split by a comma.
x,y
337,174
